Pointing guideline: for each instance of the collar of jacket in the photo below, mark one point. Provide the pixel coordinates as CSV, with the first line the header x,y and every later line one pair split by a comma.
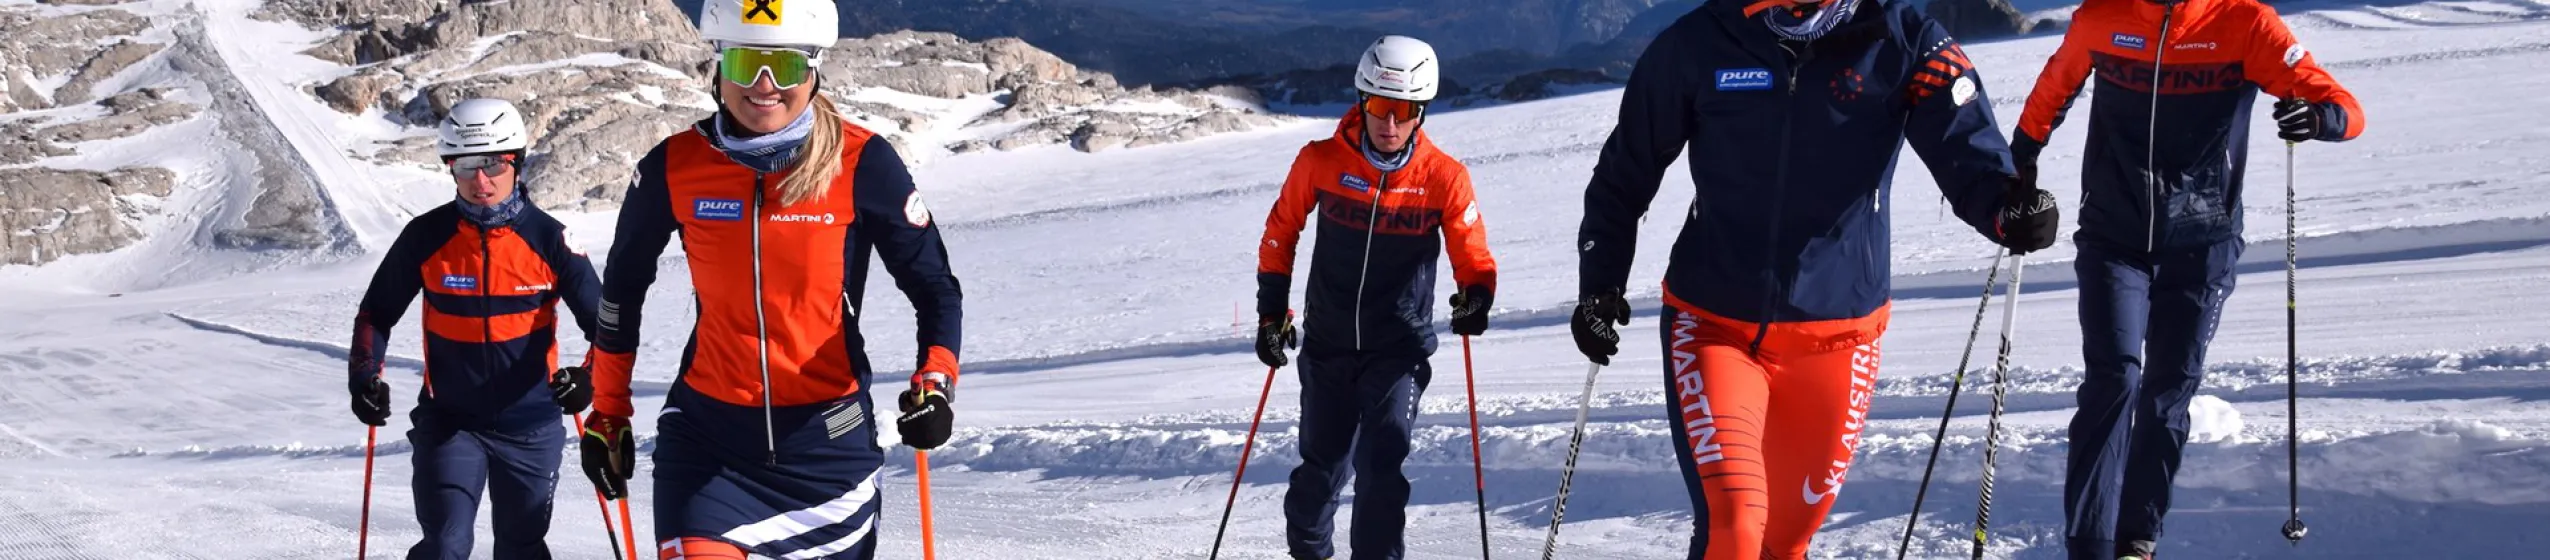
x,y
768,153
491,217
2150,11
1867,23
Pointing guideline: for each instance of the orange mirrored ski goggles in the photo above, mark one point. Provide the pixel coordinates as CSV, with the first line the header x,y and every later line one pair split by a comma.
x,y
1403,110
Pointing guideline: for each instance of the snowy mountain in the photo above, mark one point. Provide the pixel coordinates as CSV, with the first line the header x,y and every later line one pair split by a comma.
x,y
230,136
158,402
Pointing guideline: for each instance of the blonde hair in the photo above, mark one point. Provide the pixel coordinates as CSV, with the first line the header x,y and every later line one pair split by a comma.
x,y
819,159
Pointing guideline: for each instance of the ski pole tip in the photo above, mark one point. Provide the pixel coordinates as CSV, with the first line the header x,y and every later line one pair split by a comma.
x,y
2294,530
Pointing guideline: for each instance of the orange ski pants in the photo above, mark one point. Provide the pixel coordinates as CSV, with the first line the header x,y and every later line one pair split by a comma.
x,y
1765,436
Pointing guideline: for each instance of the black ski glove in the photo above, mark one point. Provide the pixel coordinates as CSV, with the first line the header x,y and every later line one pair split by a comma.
x,y
1274,334
928,415
572,388
2303,121
2028,218
610,454
371,401
1593,325
1470,310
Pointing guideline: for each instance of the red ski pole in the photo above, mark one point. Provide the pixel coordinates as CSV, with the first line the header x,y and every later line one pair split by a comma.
x,y
363,538
929,540
628,532
609,533
1478,471
1245,450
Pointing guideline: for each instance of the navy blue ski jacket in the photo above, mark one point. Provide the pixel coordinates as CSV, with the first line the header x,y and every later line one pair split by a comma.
x,y
491,315
1793,149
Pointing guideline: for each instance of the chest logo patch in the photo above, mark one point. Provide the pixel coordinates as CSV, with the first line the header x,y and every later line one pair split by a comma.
x,y
1350,181
718,210
460,283
1744,79
2128,41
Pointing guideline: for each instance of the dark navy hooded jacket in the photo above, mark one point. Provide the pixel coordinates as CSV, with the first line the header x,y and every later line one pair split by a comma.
x,y
1793,149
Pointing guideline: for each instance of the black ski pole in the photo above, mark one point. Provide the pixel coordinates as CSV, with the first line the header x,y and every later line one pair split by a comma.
x,y
1567,476
2293,528
2000,395
1959,382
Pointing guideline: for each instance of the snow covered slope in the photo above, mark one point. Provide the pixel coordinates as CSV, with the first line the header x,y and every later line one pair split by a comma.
x,y
1109,387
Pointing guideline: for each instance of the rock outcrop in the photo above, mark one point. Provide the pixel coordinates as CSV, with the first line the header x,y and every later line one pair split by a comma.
x,y
84,46
1978,20
1049,101
47,214
601,81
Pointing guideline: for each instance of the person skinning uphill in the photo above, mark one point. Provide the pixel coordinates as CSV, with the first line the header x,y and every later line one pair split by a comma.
x,y
492,269
766,444
2161,218
1776,290
1388,201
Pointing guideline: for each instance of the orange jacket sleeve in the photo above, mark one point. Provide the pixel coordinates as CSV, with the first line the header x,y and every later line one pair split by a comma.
x,y
2283,68
1465,236
1283,232
2056,88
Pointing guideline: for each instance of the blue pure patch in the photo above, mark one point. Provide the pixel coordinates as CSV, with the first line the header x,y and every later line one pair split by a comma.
x,y
1350,181
2128,41
1744,79
715,209
461,283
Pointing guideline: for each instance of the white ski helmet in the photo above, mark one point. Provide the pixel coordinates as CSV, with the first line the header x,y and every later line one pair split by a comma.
x,y
814,24
482,126
1399,68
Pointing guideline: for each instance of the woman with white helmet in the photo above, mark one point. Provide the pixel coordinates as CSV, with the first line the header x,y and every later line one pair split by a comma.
x,y
492,269
766,444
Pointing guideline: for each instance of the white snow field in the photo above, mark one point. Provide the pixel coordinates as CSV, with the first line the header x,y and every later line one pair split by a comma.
x,y
1108,390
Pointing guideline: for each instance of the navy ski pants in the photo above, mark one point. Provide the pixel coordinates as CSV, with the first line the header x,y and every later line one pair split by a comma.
x,y
1358,411
512,458
2145,320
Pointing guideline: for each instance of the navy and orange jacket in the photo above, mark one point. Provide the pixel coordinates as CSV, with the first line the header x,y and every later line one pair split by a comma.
x,y
1793,150
1372,274
2164,165
491,317
785,279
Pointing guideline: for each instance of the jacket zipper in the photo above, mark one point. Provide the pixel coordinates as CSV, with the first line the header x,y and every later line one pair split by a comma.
x,y
1779,199
761,325
2151,135
1372,221
486,299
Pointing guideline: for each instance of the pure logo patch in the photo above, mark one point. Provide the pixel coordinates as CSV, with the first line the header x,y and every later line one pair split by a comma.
x,y
1744,79
2128,41
717,210
460,283
1352,182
